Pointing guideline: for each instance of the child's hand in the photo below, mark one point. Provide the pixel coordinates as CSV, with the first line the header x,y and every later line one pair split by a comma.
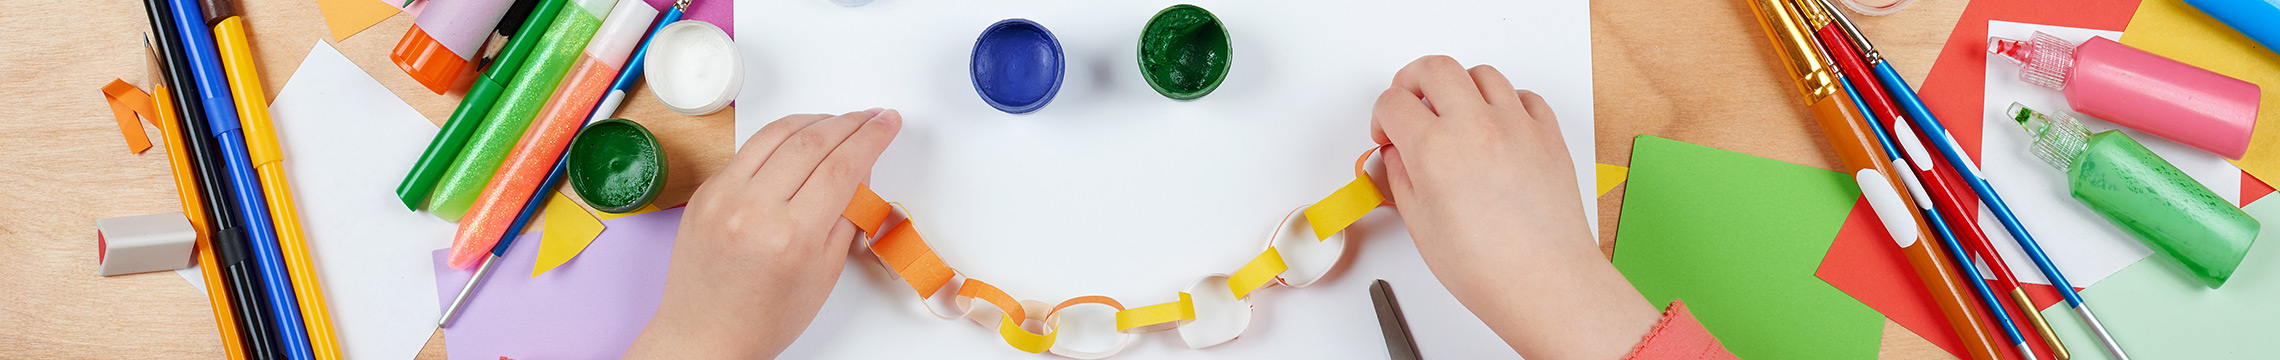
x,y
762,242
1484,181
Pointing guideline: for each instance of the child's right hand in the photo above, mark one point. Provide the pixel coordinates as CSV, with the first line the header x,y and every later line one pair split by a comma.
x,y
1483,179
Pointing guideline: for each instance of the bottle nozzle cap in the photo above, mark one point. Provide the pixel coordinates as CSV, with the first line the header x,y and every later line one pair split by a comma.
x,y
2043,59
2057,137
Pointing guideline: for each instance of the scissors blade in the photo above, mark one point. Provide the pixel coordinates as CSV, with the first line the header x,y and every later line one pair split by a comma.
x,y
1398,342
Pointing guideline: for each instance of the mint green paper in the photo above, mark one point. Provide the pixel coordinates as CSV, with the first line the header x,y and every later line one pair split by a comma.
x,y
532,86
2157,311
1737,237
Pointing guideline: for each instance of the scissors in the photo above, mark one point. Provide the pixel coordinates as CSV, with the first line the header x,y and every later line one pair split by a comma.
x,y
1398,342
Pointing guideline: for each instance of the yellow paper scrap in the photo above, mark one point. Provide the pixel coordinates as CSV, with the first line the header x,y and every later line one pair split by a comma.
x,y
568,230
347,17
2175,30
1258,273
1343,207
1157,317
643,210
1610,176
1023,339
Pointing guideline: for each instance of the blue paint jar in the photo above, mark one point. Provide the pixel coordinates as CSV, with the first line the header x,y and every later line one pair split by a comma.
x,y
1017,66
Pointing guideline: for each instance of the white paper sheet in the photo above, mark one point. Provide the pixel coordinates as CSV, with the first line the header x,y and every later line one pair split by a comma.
x,y
347,141
2084,247
1115,190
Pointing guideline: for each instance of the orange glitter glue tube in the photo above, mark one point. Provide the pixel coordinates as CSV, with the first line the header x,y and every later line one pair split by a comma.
x,y
526,166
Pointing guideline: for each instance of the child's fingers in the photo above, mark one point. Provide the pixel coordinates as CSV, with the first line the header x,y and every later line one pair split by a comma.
x,y
756,149
1396,115
1494,87
790,165
1536,107
1396,174
1440,80
833,182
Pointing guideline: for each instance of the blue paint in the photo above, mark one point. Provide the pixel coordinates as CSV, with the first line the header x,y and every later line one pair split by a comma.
x,y
1017,66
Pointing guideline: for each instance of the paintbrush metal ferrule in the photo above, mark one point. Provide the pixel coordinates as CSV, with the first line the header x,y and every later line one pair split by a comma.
x,y
1815,74
1860,42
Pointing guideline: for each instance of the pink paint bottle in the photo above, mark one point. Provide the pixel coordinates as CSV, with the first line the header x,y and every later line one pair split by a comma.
x,y
2140,90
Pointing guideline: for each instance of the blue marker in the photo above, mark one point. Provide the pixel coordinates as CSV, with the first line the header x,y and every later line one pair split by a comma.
x,y
214,91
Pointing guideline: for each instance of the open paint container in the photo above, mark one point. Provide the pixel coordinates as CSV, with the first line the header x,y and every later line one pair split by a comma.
x,y
1184,52
616,166
693,67
1017,66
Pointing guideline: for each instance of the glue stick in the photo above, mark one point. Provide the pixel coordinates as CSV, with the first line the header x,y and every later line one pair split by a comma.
x,y
2140,90
511,187
532,86
444,40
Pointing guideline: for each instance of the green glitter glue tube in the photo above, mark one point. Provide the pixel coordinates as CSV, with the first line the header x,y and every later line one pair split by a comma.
x,y
474,107
563,43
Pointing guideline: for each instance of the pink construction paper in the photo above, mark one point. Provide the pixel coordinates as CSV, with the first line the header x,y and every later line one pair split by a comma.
x,y
589,308
720,13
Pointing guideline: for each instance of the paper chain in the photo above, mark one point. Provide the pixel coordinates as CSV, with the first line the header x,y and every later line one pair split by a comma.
x,y
1021,324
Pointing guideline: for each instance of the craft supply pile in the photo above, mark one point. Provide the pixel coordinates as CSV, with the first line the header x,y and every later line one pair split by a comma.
x,y
2077,163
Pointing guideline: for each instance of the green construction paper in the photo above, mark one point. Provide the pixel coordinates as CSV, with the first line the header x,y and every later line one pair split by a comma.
x,y
563,43
1737,237
2158,311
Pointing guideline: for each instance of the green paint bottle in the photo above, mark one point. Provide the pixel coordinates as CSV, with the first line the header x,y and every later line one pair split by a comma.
x,y
2144,195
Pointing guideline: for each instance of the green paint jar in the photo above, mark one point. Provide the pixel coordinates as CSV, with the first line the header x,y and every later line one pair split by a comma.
x,y
1184,52
616,166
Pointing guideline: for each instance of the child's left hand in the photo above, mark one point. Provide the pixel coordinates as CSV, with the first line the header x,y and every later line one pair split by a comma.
x,y
762,241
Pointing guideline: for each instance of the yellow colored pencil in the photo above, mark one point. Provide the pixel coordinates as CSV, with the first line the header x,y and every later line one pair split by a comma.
x,y
261,144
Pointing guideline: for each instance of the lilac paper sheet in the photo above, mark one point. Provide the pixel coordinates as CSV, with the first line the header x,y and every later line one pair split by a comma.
x,y
720,13
589,308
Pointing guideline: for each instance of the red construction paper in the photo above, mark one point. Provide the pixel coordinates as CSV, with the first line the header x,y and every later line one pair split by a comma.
x,y
1866,263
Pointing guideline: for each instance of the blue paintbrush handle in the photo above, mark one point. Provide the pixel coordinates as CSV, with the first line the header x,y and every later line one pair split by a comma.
x,y
1936,134
213,89
1940,227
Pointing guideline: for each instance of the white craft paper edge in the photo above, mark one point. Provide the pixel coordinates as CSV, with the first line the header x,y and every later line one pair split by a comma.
x,y
1219,316
677,34
1307,258
1123,338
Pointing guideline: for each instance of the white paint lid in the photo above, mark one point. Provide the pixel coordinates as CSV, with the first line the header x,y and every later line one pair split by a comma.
x,y
693,67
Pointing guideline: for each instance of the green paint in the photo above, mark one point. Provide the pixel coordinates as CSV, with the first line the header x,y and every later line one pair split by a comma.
x,y
563,43
616,166
1738,237
1184,52
2137,191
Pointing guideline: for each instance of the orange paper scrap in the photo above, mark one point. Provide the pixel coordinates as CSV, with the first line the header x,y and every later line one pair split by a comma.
x,y
907,254
126,102
347,17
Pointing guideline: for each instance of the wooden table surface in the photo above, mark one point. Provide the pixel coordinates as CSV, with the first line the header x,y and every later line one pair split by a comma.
x,y
1698,72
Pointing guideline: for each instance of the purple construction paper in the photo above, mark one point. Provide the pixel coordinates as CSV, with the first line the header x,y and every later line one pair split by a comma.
x,y
720,13
589,308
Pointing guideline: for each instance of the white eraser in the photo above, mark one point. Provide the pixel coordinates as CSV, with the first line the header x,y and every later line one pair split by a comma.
x,y
140,244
